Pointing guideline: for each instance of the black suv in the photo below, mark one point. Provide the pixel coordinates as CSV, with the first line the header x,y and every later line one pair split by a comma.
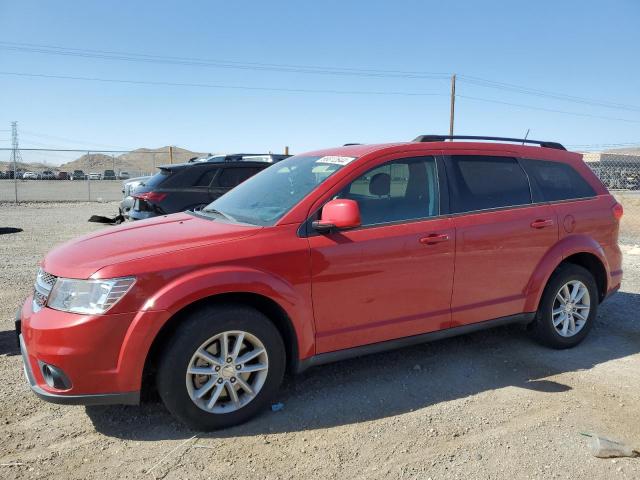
x,y
189,186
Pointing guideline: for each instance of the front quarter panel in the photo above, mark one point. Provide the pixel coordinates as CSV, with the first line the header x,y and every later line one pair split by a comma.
x,y
253,265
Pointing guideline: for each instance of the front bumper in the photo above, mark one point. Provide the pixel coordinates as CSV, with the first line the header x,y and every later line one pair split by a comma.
x,y
86,349
128,398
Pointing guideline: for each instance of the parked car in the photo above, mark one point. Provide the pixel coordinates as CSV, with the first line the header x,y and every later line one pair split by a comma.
x,y
78,175
30,176
109,175
236,157
189,186
124,176
305,264
48,175
128,188
95,176
221,157
63,176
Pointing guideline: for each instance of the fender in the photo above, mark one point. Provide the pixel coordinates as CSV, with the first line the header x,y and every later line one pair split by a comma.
x,y
563,249
199,284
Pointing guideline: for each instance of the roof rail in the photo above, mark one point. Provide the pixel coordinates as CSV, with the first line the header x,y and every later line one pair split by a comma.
x,y
442,138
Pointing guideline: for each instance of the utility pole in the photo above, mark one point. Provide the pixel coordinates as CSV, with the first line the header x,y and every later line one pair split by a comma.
x,y
15,157
453,104
286,150
171,155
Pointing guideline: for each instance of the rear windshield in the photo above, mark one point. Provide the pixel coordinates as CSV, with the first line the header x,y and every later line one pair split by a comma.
x,y
157,179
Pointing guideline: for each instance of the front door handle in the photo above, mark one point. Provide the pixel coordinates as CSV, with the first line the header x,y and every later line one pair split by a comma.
x,y
542,223
434,238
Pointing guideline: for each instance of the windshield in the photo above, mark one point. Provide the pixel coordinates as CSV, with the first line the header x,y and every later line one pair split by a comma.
x,y
266,197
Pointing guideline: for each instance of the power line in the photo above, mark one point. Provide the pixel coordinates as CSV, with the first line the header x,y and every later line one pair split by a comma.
x,y
543,93
292,90
553,110
234,87
71,140
146,58
306,69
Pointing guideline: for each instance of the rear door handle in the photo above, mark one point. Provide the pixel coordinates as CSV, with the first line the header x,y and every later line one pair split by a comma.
x,y
542,223
434,238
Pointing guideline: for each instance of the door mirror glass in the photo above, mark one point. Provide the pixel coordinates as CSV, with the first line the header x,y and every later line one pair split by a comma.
x,y
338,214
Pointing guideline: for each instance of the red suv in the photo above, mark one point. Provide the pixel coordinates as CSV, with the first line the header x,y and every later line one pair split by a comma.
x,y
323,256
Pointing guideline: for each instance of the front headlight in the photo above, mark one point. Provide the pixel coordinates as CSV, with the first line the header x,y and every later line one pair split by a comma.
x,y
88,296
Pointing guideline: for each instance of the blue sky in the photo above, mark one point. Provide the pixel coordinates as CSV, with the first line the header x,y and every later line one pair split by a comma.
x,y
582,48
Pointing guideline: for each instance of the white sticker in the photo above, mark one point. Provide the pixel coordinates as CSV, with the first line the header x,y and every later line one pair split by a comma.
x,y
335,160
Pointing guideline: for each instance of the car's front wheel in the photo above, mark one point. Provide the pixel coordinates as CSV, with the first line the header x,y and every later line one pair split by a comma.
x,y
222,366
568,307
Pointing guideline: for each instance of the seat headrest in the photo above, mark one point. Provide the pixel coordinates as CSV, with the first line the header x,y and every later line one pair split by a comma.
x,y
380,184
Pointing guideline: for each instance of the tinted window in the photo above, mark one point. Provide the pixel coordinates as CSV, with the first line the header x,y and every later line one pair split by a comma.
x,y
157,179
230,177
557,181
483,182
404,189
204,180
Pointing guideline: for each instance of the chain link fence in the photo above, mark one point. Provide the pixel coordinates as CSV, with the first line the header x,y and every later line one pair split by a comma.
x,y
73,175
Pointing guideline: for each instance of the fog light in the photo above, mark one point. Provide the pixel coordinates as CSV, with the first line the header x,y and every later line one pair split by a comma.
x,y
54,377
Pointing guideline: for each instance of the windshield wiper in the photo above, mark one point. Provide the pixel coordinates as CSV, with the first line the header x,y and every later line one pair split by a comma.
x,y
219,213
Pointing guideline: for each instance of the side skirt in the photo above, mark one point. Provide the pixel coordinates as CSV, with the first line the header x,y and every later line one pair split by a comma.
x,y
330,357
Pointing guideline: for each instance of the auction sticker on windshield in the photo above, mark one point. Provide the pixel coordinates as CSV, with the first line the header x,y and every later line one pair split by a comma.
x,y
335,160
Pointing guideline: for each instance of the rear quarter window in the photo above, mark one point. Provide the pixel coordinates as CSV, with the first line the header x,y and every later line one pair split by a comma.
x,y
157,179
553,181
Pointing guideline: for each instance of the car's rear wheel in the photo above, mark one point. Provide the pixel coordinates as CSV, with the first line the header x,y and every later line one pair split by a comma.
x,y
568,307
222,366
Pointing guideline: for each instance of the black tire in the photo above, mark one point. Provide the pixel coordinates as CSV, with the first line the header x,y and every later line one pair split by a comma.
x,y
196,329
542,327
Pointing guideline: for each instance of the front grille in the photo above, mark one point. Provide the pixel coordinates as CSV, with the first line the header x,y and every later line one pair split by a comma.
x,y
42,288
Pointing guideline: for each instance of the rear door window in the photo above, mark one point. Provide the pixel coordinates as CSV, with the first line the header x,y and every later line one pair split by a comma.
x,y
230,177
555,181
484,182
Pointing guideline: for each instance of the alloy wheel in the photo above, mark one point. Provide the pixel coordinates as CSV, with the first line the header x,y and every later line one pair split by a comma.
x,y
571,308
227,372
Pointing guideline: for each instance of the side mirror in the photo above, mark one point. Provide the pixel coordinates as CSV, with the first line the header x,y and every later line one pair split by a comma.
x,y
338,214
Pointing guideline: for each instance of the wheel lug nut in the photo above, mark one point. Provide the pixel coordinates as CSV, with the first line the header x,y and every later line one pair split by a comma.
x,y
238,367
217,369
229,360
220,380
233,380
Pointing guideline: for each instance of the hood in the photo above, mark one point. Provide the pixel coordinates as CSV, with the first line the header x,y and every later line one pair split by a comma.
x,y
83,256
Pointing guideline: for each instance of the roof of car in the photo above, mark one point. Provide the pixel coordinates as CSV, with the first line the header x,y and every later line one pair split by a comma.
x,y
239,163
516,149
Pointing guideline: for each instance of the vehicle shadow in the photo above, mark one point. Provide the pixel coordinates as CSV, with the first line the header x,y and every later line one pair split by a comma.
x,y
404,380
9,343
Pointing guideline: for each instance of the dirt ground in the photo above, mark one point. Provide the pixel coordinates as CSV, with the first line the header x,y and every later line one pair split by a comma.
x,y
488,405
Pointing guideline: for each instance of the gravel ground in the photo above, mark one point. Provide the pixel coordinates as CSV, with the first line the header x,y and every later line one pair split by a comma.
x,y
487,405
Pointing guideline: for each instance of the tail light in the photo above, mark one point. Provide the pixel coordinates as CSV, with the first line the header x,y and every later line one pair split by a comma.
x,y
150,196
617,211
